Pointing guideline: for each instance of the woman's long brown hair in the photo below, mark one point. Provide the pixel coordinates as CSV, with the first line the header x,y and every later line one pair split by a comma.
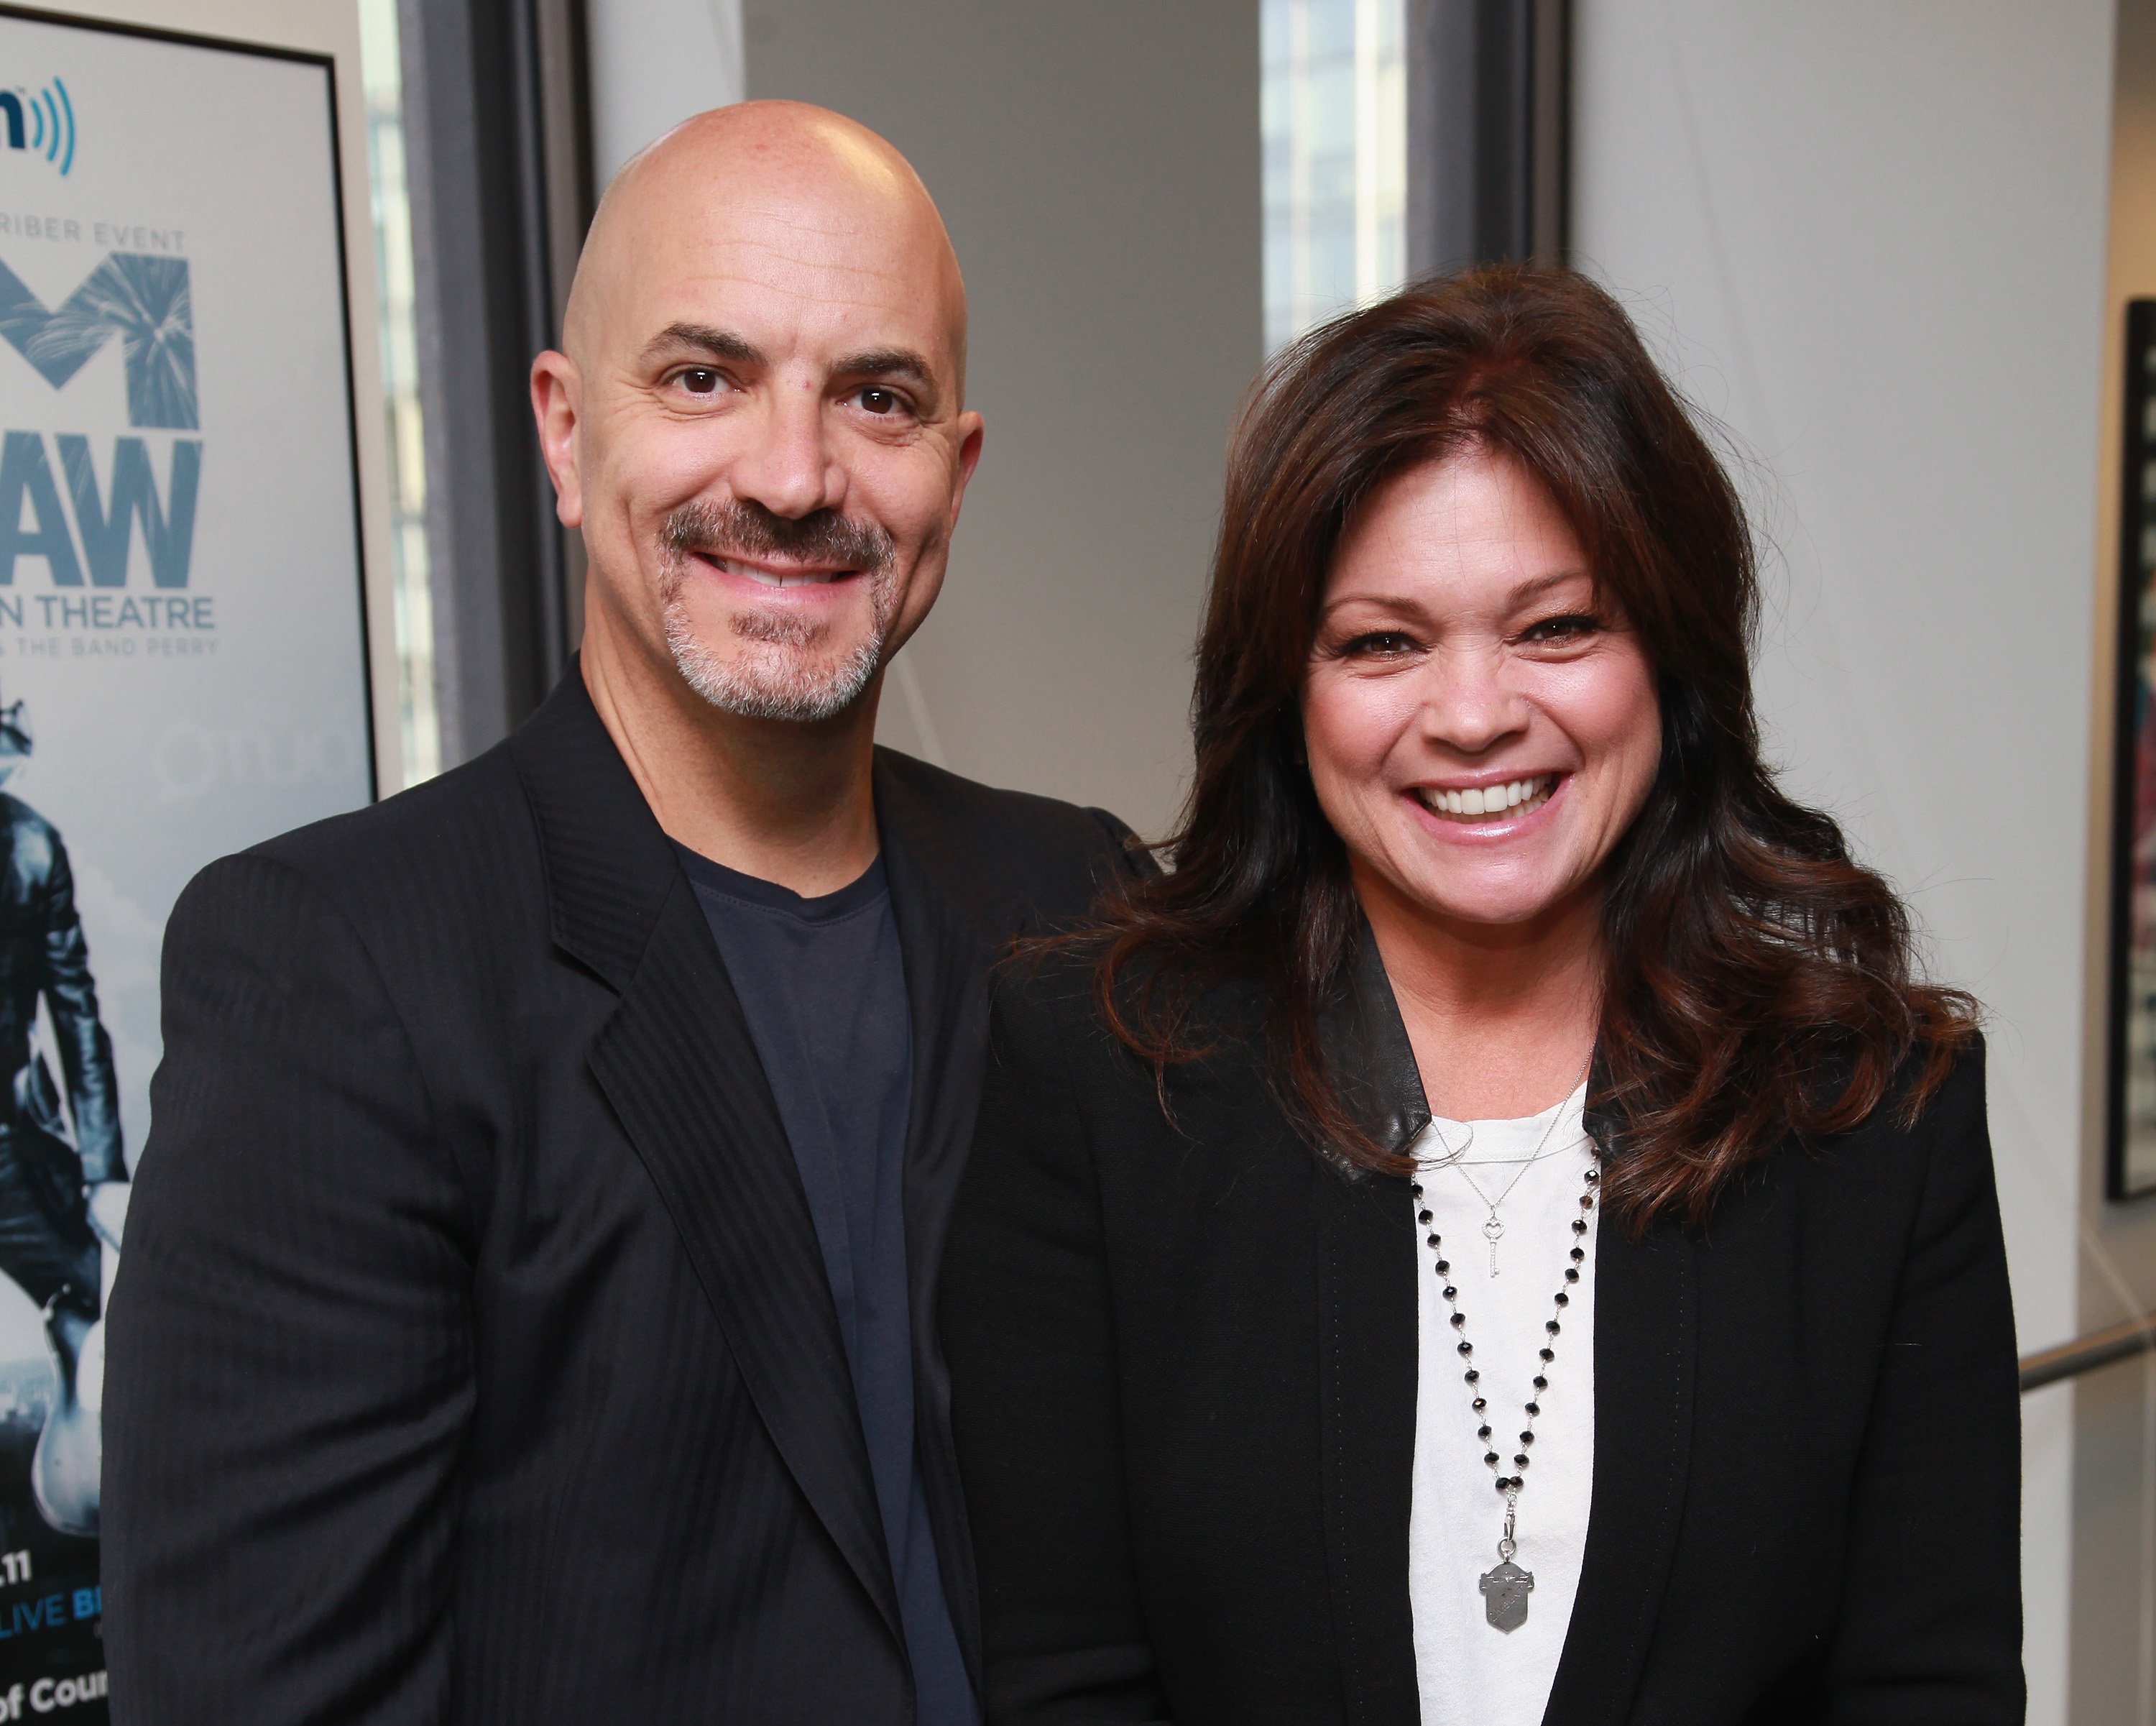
x,y
1759,982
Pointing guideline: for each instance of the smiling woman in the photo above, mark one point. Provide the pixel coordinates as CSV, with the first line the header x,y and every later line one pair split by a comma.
x,y
1469,686
1471,536
1299,1371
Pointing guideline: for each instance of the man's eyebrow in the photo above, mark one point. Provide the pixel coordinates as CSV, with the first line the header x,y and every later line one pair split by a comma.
x,y
704,338
888,362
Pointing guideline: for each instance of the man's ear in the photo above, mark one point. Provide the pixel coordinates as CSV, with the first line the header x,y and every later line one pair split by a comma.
x,y
556,391
971,432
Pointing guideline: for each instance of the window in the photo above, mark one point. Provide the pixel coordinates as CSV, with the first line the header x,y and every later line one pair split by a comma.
x,y
383,73
1333,115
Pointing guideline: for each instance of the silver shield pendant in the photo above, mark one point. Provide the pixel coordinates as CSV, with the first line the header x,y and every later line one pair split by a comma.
x,y
1504,1591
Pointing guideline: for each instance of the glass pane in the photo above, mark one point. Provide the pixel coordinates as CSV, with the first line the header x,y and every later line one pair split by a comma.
x,y
383,73
1333,117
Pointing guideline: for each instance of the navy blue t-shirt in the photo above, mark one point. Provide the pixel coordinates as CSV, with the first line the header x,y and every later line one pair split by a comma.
x,y
823,985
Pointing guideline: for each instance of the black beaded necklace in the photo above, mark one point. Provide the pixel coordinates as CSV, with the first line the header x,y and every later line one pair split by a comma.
x,y
1506,1586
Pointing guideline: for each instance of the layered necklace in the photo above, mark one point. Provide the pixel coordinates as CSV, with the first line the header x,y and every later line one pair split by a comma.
x,y
1493,1226
1504,1587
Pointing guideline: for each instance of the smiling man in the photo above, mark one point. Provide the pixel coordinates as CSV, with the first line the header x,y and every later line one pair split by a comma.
x,y
526,1309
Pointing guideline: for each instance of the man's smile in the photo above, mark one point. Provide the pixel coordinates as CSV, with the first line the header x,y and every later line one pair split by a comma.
x,y
775,575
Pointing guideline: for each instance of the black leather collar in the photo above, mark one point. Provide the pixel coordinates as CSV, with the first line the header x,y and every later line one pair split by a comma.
x,y
1368,1053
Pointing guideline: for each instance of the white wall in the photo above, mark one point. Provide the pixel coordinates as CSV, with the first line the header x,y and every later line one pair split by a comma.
x,y
2114,1670
1871,240
654,63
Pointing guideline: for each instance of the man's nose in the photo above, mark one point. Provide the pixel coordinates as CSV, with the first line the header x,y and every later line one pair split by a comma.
x,y
789,465
1469,703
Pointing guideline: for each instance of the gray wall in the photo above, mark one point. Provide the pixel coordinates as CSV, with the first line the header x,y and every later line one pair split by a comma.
x,y
1873,239
1098,167
652,63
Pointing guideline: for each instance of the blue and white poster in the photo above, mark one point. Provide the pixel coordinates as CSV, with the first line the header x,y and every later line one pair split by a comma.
x,y
183,663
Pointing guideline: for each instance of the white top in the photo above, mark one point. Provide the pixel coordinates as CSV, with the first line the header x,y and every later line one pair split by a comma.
x,y
1469,1673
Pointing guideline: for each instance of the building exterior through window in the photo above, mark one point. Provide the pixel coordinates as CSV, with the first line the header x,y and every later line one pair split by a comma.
x,y
1333,114
419,726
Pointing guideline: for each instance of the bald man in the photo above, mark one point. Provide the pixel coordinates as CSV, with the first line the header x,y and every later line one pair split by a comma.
x,y
525,1310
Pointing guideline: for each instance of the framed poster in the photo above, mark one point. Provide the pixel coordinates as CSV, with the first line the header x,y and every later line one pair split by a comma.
x,y
184,659
2131,1154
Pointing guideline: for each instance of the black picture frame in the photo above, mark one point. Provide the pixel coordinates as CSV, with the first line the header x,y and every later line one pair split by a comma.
x,y
2130,1150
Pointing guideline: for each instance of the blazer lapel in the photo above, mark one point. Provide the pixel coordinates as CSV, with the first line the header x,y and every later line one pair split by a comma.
x,y
676,1062
1645,1337
1366,1348
1366,1355
946,937
947,952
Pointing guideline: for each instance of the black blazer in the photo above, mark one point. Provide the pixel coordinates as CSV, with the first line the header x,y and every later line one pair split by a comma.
x,y
1184,1362
472,1357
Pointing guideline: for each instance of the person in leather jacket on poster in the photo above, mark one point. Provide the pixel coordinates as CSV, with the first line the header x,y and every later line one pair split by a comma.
x,y
57,1182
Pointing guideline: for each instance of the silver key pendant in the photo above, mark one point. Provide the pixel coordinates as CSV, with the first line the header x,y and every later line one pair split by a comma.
x,y
1504,1591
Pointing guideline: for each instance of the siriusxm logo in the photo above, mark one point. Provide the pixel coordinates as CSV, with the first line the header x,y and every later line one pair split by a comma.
x,y
143,301
42,121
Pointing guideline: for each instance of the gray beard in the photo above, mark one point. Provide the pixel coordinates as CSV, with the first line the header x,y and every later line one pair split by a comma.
x,y
777,674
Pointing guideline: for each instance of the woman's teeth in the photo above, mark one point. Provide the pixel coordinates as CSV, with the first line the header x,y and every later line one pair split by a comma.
x,y
1483,801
